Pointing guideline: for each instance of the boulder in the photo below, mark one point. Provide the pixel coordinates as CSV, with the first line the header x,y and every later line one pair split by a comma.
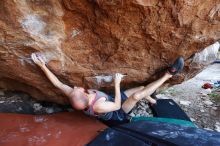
x,y
85,39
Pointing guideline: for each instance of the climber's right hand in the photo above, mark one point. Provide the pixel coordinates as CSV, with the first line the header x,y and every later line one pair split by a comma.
x,y
118,78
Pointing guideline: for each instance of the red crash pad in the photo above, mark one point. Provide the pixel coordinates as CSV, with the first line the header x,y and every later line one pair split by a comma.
x,y
62,129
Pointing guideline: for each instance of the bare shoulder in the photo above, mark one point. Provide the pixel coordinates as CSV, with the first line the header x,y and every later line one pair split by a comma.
x,y
67,90
99,103
100,100
70,94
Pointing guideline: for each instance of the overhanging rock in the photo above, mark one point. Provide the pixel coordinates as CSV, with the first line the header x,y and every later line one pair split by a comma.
x,y
85,39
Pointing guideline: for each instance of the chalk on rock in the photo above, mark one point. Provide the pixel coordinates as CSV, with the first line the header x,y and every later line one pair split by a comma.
x,y
42,56
102,78
186,103
106,78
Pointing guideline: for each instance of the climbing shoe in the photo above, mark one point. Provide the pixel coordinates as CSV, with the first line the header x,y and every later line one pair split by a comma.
x,y
177,66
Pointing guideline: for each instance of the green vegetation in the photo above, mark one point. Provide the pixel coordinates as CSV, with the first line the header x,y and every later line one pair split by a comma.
x,y
215,95
170,90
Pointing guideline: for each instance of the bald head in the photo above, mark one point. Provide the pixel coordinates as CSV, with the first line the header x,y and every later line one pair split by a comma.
x,y
78,99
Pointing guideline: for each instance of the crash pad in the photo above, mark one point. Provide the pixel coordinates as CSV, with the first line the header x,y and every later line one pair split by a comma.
x,y
155,133
62,129
168,120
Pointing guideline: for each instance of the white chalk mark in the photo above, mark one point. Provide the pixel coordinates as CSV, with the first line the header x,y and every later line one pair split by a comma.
x,y
34,25
214,10
75,33
102,78
46,37
106,78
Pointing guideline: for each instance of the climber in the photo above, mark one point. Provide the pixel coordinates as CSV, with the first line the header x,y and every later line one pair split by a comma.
x,y
99,104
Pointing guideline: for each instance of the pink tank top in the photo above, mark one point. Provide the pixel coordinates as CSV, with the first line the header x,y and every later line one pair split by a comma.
x,y
89,111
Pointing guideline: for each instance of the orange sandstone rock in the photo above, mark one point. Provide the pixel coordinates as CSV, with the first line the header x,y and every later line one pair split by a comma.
x,y
85,39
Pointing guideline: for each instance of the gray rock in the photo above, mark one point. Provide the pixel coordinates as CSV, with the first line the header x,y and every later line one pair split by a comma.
x,y
162,96
208,103
202,110
50,110
70,110
185,103
138,115
193,120
185,109
142,104
217,126
2,93
208,129
204,97
37,106
132,114
135,111
19,109
146,114
214,108
206,92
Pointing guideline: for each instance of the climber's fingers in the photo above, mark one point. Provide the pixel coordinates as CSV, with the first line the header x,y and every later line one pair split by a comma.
x,y
34,58
41,59
37,59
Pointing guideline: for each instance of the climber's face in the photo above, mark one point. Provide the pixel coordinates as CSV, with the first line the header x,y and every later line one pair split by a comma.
x,y
79,99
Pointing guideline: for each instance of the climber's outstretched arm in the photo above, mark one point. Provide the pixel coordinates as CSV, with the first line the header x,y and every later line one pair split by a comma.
x,y
67,90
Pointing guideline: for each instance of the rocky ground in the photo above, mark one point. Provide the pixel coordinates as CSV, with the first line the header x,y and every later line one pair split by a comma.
x,y
201,105
18,102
